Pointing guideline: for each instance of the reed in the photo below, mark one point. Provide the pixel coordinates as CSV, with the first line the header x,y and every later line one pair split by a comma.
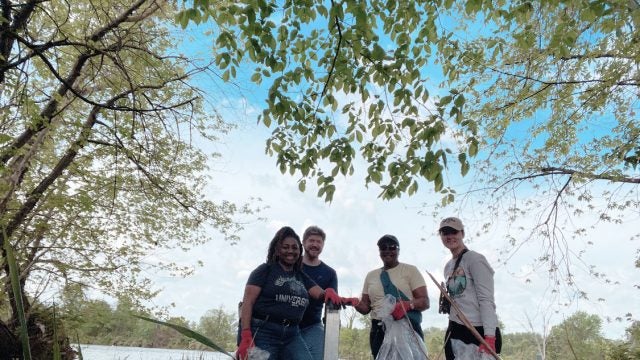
x,y
56,345
79,347
17,294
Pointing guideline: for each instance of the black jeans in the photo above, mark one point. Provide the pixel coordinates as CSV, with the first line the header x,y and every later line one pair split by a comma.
x,y
376,336
460,332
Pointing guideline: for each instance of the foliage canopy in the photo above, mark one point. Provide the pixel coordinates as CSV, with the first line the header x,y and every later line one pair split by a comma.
x,y
537,100
397,81
99,163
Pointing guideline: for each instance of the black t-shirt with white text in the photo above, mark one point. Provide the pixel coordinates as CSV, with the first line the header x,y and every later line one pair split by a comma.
x,y
284,293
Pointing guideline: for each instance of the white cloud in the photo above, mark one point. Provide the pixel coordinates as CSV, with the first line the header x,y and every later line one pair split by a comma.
x,y
354,222
356,219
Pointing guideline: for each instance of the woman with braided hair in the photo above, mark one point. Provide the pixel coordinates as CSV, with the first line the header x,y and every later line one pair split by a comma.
x,y
275,298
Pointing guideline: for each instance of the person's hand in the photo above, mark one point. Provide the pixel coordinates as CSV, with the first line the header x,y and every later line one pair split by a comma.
x,y
332,295
354,301
491,341
246,342
401,309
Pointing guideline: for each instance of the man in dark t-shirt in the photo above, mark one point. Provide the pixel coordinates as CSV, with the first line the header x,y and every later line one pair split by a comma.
x,y
324,276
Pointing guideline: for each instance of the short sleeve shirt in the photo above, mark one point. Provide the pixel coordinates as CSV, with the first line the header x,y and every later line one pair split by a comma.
x,y
404,276
325,277
284,293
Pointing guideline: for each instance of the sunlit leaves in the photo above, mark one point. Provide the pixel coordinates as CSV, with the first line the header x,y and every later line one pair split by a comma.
x,y
113,173
367,64
322,54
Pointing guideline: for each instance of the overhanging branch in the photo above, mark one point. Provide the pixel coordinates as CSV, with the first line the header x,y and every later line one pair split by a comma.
x,y
563,171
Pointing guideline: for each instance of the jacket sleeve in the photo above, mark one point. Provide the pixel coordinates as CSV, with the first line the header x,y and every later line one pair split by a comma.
x,y
483,280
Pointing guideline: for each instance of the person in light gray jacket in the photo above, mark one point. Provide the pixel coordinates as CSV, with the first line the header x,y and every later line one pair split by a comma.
x,y
469,281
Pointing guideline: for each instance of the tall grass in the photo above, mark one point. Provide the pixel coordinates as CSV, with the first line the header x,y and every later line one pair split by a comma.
x,y
17,294
56,345
79,347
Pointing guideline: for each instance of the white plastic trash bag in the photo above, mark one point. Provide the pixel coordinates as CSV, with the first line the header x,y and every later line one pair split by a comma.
x,y
400,342
464,351
255,353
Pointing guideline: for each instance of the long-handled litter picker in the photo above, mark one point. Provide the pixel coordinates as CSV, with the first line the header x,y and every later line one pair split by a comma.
x,y
464,319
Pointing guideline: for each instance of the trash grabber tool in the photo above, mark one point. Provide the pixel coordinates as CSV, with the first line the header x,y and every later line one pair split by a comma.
x,y
464,319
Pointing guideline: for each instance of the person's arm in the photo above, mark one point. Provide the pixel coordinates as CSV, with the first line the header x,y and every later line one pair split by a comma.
x,y
328,294
420,301
251,293
482,274
420,298
364,306
333,283
316,292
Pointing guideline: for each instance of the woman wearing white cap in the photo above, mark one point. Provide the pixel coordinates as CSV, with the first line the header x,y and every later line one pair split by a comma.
x,y
470,284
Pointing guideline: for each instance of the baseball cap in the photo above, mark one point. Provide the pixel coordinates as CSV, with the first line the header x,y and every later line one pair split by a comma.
x,y
452,222
388,239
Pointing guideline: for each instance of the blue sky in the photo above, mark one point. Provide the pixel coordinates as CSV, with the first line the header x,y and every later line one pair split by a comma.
x,y
357,218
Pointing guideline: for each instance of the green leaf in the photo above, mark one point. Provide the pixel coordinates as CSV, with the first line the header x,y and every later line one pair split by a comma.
x,y
188,333
413,188
376,177
378,53
256,78
473,147
437,182
184,20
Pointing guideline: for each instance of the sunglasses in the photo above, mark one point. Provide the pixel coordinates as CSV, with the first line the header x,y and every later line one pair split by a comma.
x,y
449,231
388,247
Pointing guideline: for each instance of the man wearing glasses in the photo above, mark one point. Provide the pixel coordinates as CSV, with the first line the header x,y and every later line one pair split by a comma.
x,y
470,284
403,281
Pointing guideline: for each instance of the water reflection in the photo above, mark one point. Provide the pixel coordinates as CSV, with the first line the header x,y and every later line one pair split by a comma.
x,y
103,352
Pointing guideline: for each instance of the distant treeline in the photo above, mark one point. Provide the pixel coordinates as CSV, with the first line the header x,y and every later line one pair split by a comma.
x,y
578,337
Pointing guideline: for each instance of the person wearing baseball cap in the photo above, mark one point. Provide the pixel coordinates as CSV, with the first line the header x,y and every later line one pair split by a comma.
x,y
403,281
469,282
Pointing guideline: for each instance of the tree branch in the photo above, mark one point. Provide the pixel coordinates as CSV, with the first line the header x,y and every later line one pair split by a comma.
x,y
562,171
333,62
7,29
34,196
67,84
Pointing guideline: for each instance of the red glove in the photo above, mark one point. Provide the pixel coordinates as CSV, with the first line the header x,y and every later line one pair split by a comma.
x,y
246,342
401,309
350,301
491,341
331,295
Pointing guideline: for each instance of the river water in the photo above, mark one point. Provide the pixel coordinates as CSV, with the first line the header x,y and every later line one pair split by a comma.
x,y
103,352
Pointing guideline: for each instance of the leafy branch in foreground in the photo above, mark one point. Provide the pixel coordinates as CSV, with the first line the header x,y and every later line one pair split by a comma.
x,y
101,161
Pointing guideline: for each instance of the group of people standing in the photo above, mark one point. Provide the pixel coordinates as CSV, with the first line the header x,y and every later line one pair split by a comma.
x,y
282,305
